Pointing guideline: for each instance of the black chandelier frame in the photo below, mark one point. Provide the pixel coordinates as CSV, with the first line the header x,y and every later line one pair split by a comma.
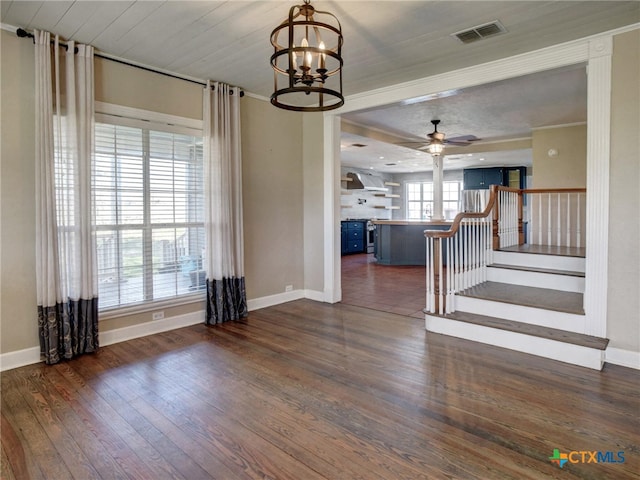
x,y
304,79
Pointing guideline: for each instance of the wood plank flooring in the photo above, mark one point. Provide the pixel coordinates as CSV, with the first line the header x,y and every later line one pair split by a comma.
x,y
312,391
389,288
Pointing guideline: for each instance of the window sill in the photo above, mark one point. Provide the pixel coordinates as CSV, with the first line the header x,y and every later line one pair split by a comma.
x,y
117,312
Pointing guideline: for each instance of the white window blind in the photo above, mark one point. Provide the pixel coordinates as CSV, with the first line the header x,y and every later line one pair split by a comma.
x,y
149,209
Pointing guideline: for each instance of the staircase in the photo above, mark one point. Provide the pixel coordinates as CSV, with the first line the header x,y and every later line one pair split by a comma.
x,y
532,302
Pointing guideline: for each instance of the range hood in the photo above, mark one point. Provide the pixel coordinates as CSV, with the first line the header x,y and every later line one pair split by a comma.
x,y
365,181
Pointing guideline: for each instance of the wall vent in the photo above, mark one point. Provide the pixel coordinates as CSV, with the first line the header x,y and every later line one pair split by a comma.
x,y
480,32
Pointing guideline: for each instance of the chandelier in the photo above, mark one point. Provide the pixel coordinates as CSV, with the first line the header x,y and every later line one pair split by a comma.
x,y
307,61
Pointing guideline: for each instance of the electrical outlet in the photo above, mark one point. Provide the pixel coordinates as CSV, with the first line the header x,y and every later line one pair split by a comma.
x,y
288,288
157,315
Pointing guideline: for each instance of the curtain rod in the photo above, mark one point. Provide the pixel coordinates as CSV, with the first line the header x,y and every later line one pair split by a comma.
x,y
22,33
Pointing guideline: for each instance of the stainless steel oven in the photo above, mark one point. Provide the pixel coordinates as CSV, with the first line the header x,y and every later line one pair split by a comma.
x,y
371,235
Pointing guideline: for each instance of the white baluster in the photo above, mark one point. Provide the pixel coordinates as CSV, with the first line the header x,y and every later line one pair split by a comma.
x,y
568,220
440,280
578,227
559,214
549,219
539,219
449,302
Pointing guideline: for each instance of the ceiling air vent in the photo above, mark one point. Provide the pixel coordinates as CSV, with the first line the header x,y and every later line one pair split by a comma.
x,y
480,31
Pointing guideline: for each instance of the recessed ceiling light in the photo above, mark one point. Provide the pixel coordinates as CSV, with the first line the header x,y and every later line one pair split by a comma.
x,y
381,158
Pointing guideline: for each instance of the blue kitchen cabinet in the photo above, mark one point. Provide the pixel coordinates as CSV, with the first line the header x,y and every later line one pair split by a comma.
x,y
353,236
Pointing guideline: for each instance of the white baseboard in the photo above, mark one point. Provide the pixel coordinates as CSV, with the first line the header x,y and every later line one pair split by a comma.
x,y
315,295
277,299
19,358
624,358
149,328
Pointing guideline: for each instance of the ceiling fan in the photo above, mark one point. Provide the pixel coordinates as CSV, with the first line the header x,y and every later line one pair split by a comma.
x,y
437,141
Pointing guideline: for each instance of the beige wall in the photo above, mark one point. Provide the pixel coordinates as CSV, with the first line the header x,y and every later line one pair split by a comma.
x,y
624,221
568,169
18,318
273,198
126,85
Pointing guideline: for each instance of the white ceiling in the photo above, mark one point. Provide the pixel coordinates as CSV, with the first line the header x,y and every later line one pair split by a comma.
x,y
385,43
502,115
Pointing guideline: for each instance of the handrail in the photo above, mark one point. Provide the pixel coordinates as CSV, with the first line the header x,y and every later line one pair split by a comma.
x,y
462,215
553,190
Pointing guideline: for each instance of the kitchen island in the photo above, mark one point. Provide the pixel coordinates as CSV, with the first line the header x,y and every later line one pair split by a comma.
x,y
402,242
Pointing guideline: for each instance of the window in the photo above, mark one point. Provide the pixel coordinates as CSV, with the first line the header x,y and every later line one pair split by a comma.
x,y
149,211
420,200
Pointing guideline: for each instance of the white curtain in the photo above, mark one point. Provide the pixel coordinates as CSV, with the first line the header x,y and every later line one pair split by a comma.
x,y
67,291
224,256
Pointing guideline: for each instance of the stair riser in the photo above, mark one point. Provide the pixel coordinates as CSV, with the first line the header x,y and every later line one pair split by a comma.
x,y
521,313
565,283
553,262
542,347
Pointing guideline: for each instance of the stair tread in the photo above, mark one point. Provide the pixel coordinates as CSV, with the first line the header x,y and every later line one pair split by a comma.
x,y
528,329
544,298
568,273
547,250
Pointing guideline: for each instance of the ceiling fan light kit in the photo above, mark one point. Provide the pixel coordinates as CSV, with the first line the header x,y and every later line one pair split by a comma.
x,y
307,60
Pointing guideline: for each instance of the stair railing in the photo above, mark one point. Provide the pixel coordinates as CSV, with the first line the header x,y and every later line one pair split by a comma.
x,y
556,216
457,258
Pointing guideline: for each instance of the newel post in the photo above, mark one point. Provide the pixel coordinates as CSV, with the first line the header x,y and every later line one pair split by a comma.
x,y
521,238
495,224
437,267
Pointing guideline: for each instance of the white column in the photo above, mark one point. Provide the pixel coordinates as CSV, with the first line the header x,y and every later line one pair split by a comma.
x,y
438,178
598,147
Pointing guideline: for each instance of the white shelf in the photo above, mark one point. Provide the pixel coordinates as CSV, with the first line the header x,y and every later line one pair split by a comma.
x,y
387,195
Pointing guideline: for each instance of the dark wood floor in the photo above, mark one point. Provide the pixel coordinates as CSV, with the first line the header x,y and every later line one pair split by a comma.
x,y
389,288
311,391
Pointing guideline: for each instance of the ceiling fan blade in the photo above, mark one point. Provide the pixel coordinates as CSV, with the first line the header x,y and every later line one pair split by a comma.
x,y
463,138
423,143
457,144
